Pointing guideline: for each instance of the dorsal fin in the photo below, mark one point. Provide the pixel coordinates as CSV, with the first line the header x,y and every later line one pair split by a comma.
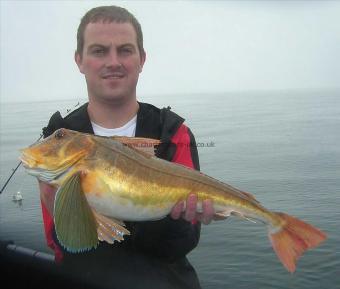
x,y
141,144
144,146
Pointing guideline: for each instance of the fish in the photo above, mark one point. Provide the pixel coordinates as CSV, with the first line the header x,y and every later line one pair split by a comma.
x,y
103,181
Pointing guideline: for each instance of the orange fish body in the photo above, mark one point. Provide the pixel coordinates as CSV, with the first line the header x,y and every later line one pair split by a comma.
x,y
112,178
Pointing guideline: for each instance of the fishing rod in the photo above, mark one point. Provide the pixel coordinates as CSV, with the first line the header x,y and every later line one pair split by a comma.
x,y
19,164
14,170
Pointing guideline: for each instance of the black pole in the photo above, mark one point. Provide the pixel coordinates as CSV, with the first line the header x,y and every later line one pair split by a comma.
x,y
4,186
14,170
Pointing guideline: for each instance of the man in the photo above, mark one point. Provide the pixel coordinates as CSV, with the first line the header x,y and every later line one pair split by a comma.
x,y
111,56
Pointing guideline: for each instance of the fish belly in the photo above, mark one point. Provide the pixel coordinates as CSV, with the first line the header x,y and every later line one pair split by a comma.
x,y
126,209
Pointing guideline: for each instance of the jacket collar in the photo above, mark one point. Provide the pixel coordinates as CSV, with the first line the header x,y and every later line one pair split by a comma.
x,y
152,122
79,120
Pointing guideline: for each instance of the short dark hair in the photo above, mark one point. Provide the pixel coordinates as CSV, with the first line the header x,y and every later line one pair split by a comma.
x,y
109,14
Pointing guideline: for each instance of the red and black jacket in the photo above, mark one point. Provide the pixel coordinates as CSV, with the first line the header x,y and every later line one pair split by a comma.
x,y
166,239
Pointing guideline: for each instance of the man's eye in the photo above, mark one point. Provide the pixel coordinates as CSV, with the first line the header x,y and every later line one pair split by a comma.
x,y
126,51
98,51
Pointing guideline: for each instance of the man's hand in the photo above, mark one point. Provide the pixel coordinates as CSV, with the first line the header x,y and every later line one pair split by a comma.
x,y
190,213
47,195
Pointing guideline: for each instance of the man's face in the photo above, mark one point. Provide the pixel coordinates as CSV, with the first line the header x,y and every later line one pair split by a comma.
x,y
110,61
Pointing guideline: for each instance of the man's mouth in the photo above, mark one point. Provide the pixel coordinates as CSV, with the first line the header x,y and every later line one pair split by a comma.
x,y
113,75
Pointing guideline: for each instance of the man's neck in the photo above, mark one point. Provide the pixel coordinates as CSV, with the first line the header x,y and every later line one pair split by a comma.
x,y
112,115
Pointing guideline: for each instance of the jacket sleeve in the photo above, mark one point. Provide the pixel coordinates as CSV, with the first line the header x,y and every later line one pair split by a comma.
x,y
168,238
49,227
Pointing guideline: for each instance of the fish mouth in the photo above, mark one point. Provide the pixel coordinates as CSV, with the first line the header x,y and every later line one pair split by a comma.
x,y
42,173
27,160
47,173
31,166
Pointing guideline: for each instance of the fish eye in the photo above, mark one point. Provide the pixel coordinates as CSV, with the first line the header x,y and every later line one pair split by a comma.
x,y
59,134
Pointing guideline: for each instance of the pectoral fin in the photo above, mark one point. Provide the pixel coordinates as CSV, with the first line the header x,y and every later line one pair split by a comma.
x,y
110,230
75,224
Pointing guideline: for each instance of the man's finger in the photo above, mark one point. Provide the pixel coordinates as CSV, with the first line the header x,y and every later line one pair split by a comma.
x,y
208,211
190,211
177,210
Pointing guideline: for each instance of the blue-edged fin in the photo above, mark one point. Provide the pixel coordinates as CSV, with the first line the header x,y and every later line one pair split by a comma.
x,y
75,224
109,229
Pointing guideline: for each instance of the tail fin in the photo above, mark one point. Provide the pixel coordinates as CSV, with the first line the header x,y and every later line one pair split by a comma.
x,y
293,239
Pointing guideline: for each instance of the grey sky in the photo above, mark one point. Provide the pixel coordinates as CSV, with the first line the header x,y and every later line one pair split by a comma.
x,y
192,46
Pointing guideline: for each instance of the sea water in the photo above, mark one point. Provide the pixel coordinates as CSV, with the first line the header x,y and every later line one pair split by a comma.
x,y
282,146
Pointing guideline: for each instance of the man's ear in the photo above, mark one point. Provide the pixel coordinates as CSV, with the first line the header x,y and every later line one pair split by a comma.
x,y
79,62
142,61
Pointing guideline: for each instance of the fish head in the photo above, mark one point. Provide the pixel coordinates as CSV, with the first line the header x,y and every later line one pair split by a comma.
x,y
55,154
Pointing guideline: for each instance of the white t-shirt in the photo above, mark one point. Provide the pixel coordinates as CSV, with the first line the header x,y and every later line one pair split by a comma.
x,y
128,129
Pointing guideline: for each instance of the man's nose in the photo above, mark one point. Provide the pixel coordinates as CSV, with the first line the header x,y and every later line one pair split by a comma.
x,y
112,60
